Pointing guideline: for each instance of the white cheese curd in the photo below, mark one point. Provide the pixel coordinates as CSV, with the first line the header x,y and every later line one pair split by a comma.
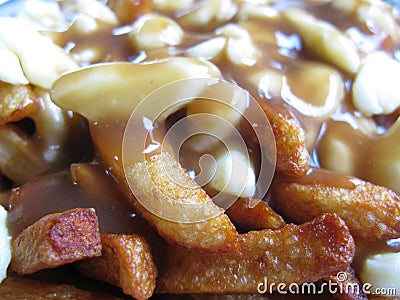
x,y
375,89
382,272
5,245
41,61
234,175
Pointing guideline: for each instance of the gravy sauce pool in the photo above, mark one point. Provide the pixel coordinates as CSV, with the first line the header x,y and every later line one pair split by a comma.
x,y
283,71
86,185
317,93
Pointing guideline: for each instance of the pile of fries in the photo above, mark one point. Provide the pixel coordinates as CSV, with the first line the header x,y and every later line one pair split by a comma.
x,y
324,74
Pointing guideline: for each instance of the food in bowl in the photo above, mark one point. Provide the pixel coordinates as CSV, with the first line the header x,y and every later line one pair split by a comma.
x,y
111,112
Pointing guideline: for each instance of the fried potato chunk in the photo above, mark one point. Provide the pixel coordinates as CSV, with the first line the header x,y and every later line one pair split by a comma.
x,y
56,239
292,254
152,181
18,287
372,212
112,84
251,214
126,261
16,102
292,157
20,158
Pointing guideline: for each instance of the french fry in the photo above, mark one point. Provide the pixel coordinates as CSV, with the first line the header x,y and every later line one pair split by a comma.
x,y
248,216
55,240
372,212
18,287
115,82
126,261
171,229
216,234
20,160
36,137
292,155
16,102
292,254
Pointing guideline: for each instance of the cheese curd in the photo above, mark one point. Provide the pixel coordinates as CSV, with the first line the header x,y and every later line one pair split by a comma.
x,y
5,245
381,271
375,88
333,66
41,62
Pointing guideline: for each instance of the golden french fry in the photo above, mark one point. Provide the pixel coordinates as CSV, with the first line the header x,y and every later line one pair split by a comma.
x,y
126,261
36,137
372,212
20,159
292,254
292,157
250,214
56,239
16,102
108,114
215,234
18,287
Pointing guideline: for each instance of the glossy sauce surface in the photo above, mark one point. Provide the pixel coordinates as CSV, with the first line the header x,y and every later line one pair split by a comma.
x,y
280,70
316,92
84,186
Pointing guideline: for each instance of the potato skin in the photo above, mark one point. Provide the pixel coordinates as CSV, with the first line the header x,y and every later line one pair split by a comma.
x,y
246,216
127,262
151,179
370,211
292,157
19,287
292,254
56,239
